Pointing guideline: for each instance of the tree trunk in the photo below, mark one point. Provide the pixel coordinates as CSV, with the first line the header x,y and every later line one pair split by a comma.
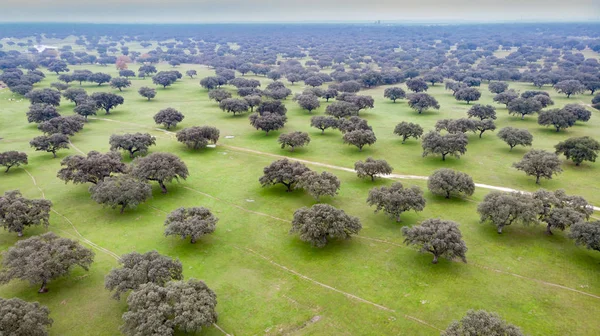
x,y
511,147
499,230
123,207
148,98
20,233
548,230
372,178
288,186
537,179
435,259
322,131
360,149
193,240
163,187
480,134
577,163
43,289
443,157
54,154
522,117
557,128
447,194
7,168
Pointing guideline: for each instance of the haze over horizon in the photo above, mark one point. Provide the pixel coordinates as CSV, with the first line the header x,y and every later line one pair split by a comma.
x,y
263,11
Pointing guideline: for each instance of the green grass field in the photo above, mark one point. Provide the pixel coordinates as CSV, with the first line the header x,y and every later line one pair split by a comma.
x,y
268,281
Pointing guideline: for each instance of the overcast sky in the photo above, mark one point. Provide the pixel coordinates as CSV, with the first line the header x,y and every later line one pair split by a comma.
x,y
183,11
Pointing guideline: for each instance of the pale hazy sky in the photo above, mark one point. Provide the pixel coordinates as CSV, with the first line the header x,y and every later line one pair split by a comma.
x,y
181,11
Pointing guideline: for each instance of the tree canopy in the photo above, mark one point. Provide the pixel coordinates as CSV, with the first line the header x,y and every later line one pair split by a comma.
x,y
539,163
11,159
22,318
442,238
168,117
502,209
132,143
396,199
192,222
159,167
481,322
122,191
50,143
92,168
454,144
18,212
579,149
446,182
322,222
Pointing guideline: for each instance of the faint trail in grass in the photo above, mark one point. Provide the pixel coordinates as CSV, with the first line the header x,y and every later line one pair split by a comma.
x,y
35,183
221,329
75,147
351,296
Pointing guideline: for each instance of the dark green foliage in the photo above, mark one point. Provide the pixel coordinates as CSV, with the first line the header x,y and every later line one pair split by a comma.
x,y
394,93
76,95
468,94
233,105
294,139
41,112
44,96
81,76
50,143
497,87
341,109
569,87
579,111
272,106
159,167
92,168
164,78
446,182
482,112
42,258
190,222
422,101
191,73
502,209
283,171
461,125
122,191
506,97
371,167
313,81
132,143
539,163
417,85
209,82
524,106
68,125
360,138
168,117
323,222
58,66
107,100
156,310
120,83
11,159
138,269
197,137
586,234
455,86
515,136
267,121
353,123
579,149
18,212
252,101
481,323
559,118
408,130
60,86
442,238
219,95
99,78
147,92
22,318
317,185
324,122
396,199
308,102
454,144
484,125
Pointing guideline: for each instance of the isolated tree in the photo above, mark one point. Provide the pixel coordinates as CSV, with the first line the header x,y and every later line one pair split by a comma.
x,y
394,93
317,185
50,143
233,105
308,102
482,323
107,101
408,130
352,124
468,94
422,102
506,97
586,234
454,144
446,182
283,171
539,163
132,143
524,106
42,258
191,73
164,78
579,149
502,209
209,83
219,95
341,109
294,139
396,199
138,269
159,167
68,125
442,238
515,136
360,138
22,318
190,222
147,92
161,310
168,117
484,125
497,87
41,112
569,87
127,73
11,159
559,118
76,95
197,137
120,83
324,122
99,78
580,112
86,108
92,168
461,125
18,212
323,222
267,122
417,85
371,168
482,112
122,191
44,96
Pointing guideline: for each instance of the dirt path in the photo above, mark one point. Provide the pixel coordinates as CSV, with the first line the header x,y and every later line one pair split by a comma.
x,y
75,147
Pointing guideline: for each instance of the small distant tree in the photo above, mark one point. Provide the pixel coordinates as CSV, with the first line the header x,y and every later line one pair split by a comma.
x,y
515,136
330,93
50,143
58,66
11,159
159,167
539,163
442,238
294,139
209,83
482,112
484,125
497,87
433,78
371,168
324,122
446,182
586,234
569,87
107,101
362,102
506,97
197,137
233,105
191,73
190,222
353,123
524,106
86,108
308,102
580,112
323,222
99,78
455,86
544,100
454,144
122,191
164,78
81,76
360,138
313,81
579,149
408,130
60,86
502,209
41,112
42,258
481,322
15,312
267,122
126,73
252,101
559,118
461,125
417,85
76,95
168,117
64,125
44,96
132,143
219,95
120,83
284,172
396,199
147,92
394,93
18,212
317,185
138,269
422,101
468,94
341,109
